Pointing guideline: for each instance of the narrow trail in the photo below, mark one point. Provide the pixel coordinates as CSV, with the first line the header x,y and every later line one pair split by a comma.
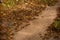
x,y
38,25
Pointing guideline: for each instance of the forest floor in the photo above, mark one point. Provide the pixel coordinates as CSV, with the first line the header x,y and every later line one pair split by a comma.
x,y
38,26
38,29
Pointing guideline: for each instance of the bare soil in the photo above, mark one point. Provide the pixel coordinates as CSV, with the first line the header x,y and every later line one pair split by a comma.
x,y
38,27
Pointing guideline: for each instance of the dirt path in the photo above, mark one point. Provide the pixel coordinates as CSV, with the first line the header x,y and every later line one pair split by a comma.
x,y
38,25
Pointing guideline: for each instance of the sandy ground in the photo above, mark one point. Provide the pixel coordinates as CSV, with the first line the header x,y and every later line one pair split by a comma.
x,y
37,26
